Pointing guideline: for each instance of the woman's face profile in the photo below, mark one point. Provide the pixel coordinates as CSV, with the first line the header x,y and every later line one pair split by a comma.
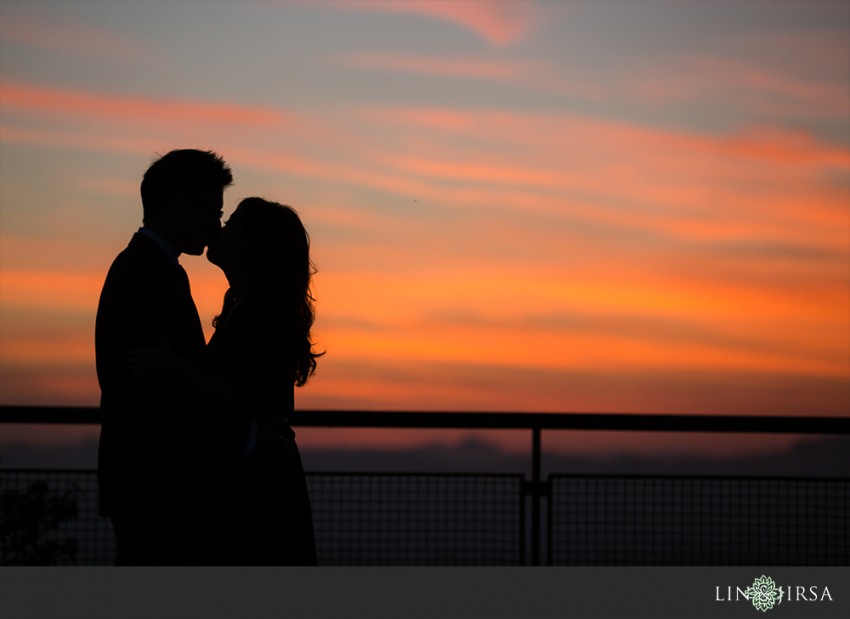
x,y
223,250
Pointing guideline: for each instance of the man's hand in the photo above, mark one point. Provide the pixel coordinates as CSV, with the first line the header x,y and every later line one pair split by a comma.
x,y
158,360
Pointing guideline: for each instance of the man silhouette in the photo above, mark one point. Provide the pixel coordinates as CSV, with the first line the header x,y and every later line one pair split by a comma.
x,y
148,478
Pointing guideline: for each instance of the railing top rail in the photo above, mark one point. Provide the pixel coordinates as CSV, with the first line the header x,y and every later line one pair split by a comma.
x,y
493,420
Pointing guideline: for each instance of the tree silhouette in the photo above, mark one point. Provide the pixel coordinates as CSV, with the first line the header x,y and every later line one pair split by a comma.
x,y
27,520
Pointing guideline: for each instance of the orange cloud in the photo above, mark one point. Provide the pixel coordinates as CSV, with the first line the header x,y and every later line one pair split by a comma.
x,y
400,384
29,288
583,254
599,321
499,356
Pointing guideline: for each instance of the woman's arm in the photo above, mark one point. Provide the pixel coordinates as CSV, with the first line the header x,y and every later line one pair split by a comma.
x,y
161,360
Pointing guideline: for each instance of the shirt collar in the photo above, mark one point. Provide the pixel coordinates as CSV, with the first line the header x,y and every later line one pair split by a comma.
x,y
164,245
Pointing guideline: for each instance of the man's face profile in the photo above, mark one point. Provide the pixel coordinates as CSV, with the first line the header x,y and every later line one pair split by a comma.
x,y
201,223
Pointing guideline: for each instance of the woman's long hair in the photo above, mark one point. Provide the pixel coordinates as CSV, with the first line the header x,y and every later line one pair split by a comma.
x,y
274,250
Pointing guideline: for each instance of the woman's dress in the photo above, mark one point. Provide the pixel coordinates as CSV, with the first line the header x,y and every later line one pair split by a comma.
x,y
270,512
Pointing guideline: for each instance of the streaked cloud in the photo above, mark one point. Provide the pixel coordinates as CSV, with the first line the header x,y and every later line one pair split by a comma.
x,y
398,385
61,102
474,68
499,22
748,85
497,224
45,31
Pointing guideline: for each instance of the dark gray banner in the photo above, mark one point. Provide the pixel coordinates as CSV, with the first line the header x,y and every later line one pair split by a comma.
x,y
420,592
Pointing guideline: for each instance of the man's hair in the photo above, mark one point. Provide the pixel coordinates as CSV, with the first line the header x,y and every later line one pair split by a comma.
x,y
187,171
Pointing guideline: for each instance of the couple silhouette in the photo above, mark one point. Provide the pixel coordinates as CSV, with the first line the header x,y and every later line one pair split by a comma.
x,y
197,462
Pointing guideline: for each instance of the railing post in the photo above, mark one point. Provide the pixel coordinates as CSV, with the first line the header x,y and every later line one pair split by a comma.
x,y
536,487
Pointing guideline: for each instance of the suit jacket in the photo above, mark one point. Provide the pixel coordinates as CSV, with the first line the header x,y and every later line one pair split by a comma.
x,y
147,422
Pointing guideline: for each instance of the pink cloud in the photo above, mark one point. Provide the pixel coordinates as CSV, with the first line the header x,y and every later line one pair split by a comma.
x,y
532,75
804,51
69,37
754,86
552,163
498,70
661,168
499,22
778,74
58,101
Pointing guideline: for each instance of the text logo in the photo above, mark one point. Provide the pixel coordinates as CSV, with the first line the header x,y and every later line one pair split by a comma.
x,y
765,594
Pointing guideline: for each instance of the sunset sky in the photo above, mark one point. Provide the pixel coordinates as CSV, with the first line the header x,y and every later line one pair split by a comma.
x,y
612,206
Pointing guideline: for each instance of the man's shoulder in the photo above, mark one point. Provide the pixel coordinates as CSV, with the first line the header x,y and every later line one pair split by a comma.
x,y
140,253
140,262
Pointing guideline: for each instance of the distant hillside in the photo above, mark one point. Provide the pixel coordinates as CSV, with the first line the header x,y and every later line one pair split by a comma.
x,y
810,457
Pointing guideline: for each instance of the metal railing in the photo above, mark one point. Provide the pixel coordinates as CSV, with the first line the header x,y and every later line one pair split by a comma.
x,y
831,508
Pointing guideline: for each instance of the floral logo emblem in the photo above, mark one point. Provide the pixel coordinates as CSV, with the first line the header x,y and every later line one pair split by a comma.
x,y
763,593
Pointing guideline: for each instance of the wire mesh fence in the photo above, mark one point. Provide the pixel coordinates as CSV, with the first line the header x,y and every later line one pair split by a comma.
x,y
638,520
360,519
50,517
417,519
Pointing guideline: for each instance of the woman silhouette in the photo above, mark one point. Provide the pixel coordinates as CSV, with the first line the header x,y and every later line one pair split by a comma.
x,y
249,493
262,349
